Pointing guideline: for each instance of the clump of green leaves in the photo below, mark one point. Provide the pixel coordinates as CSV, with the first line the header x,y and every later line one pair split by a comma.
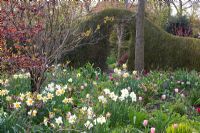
x,y
179,128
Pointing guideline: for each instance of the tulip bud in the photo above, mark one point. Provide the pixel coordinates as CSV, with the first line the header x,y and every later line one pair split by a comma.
x,y
145,123
153,130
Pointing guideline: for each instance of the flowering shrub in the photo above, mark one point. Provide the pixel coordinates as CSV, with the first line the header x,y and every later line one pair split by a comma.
x,y
88,100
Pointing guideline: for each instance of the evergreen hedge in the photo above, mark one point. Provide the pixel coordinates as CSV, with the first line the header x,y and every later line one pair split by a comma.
x,y
98,44
162,50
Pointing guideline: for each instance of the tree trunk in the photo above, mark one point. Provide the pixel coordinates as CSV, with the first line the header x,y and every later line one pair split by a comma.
x,y
37,79
180,8
120,34
139,45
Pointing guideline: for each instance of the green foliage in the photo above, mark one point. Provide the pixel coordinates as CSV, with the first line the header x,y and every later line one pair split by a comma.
x,y
165,51
126,129
98,45
15,122
121,115
194,97
162,50
160,120
181,128
179,108
111,60
137,117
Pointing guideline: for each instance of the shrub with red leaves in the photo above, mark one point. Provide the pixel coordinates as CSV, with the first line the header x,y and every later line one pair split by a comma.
x,y
123,59
37,34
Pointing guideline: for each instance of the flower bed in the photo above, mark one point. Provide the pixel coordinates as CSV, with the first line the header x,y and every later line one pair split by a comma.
x,y
88,100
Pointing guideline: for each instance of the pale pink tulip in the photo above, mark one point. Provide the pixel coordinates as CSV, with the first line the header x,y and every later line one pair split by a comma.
x,y
176,90
140,98
145,123
175,125
153,130
163,97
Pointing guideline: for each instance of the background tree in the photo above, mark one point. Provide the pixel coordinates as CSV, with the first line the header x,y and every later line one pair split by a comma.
x,y
182,6
139,45
158,11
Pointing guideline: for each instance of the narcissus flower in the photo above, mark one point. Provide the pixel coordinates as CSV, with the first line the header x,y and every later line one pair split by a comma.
x,y
83,110
59,120
45,121
106,91
52,125
8,98
39,96
72,119
116,83
90,113
124,94
88,125
32,112
17,105
29,101
117,71
51,114
87,96
134,72
108,114
133,96
4,92
94,83
60,92
113,96
50,87
68,100
44,99
78,75
28,94
102,99
101,120
70,80
124,66
50,96
125,75
22,96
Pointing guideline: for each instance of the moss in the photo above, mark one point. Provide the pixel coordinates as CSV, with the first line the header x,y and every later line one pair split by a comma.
x,y
162,50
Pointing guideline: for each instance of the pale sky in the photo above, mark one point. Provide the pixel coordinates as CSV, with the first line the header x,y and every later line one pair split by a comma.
x,y
195,3
189,10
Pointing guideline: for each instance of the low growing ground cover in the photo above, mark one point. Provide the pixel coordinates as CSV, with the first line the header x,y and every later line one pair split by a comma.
x,y
91,101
